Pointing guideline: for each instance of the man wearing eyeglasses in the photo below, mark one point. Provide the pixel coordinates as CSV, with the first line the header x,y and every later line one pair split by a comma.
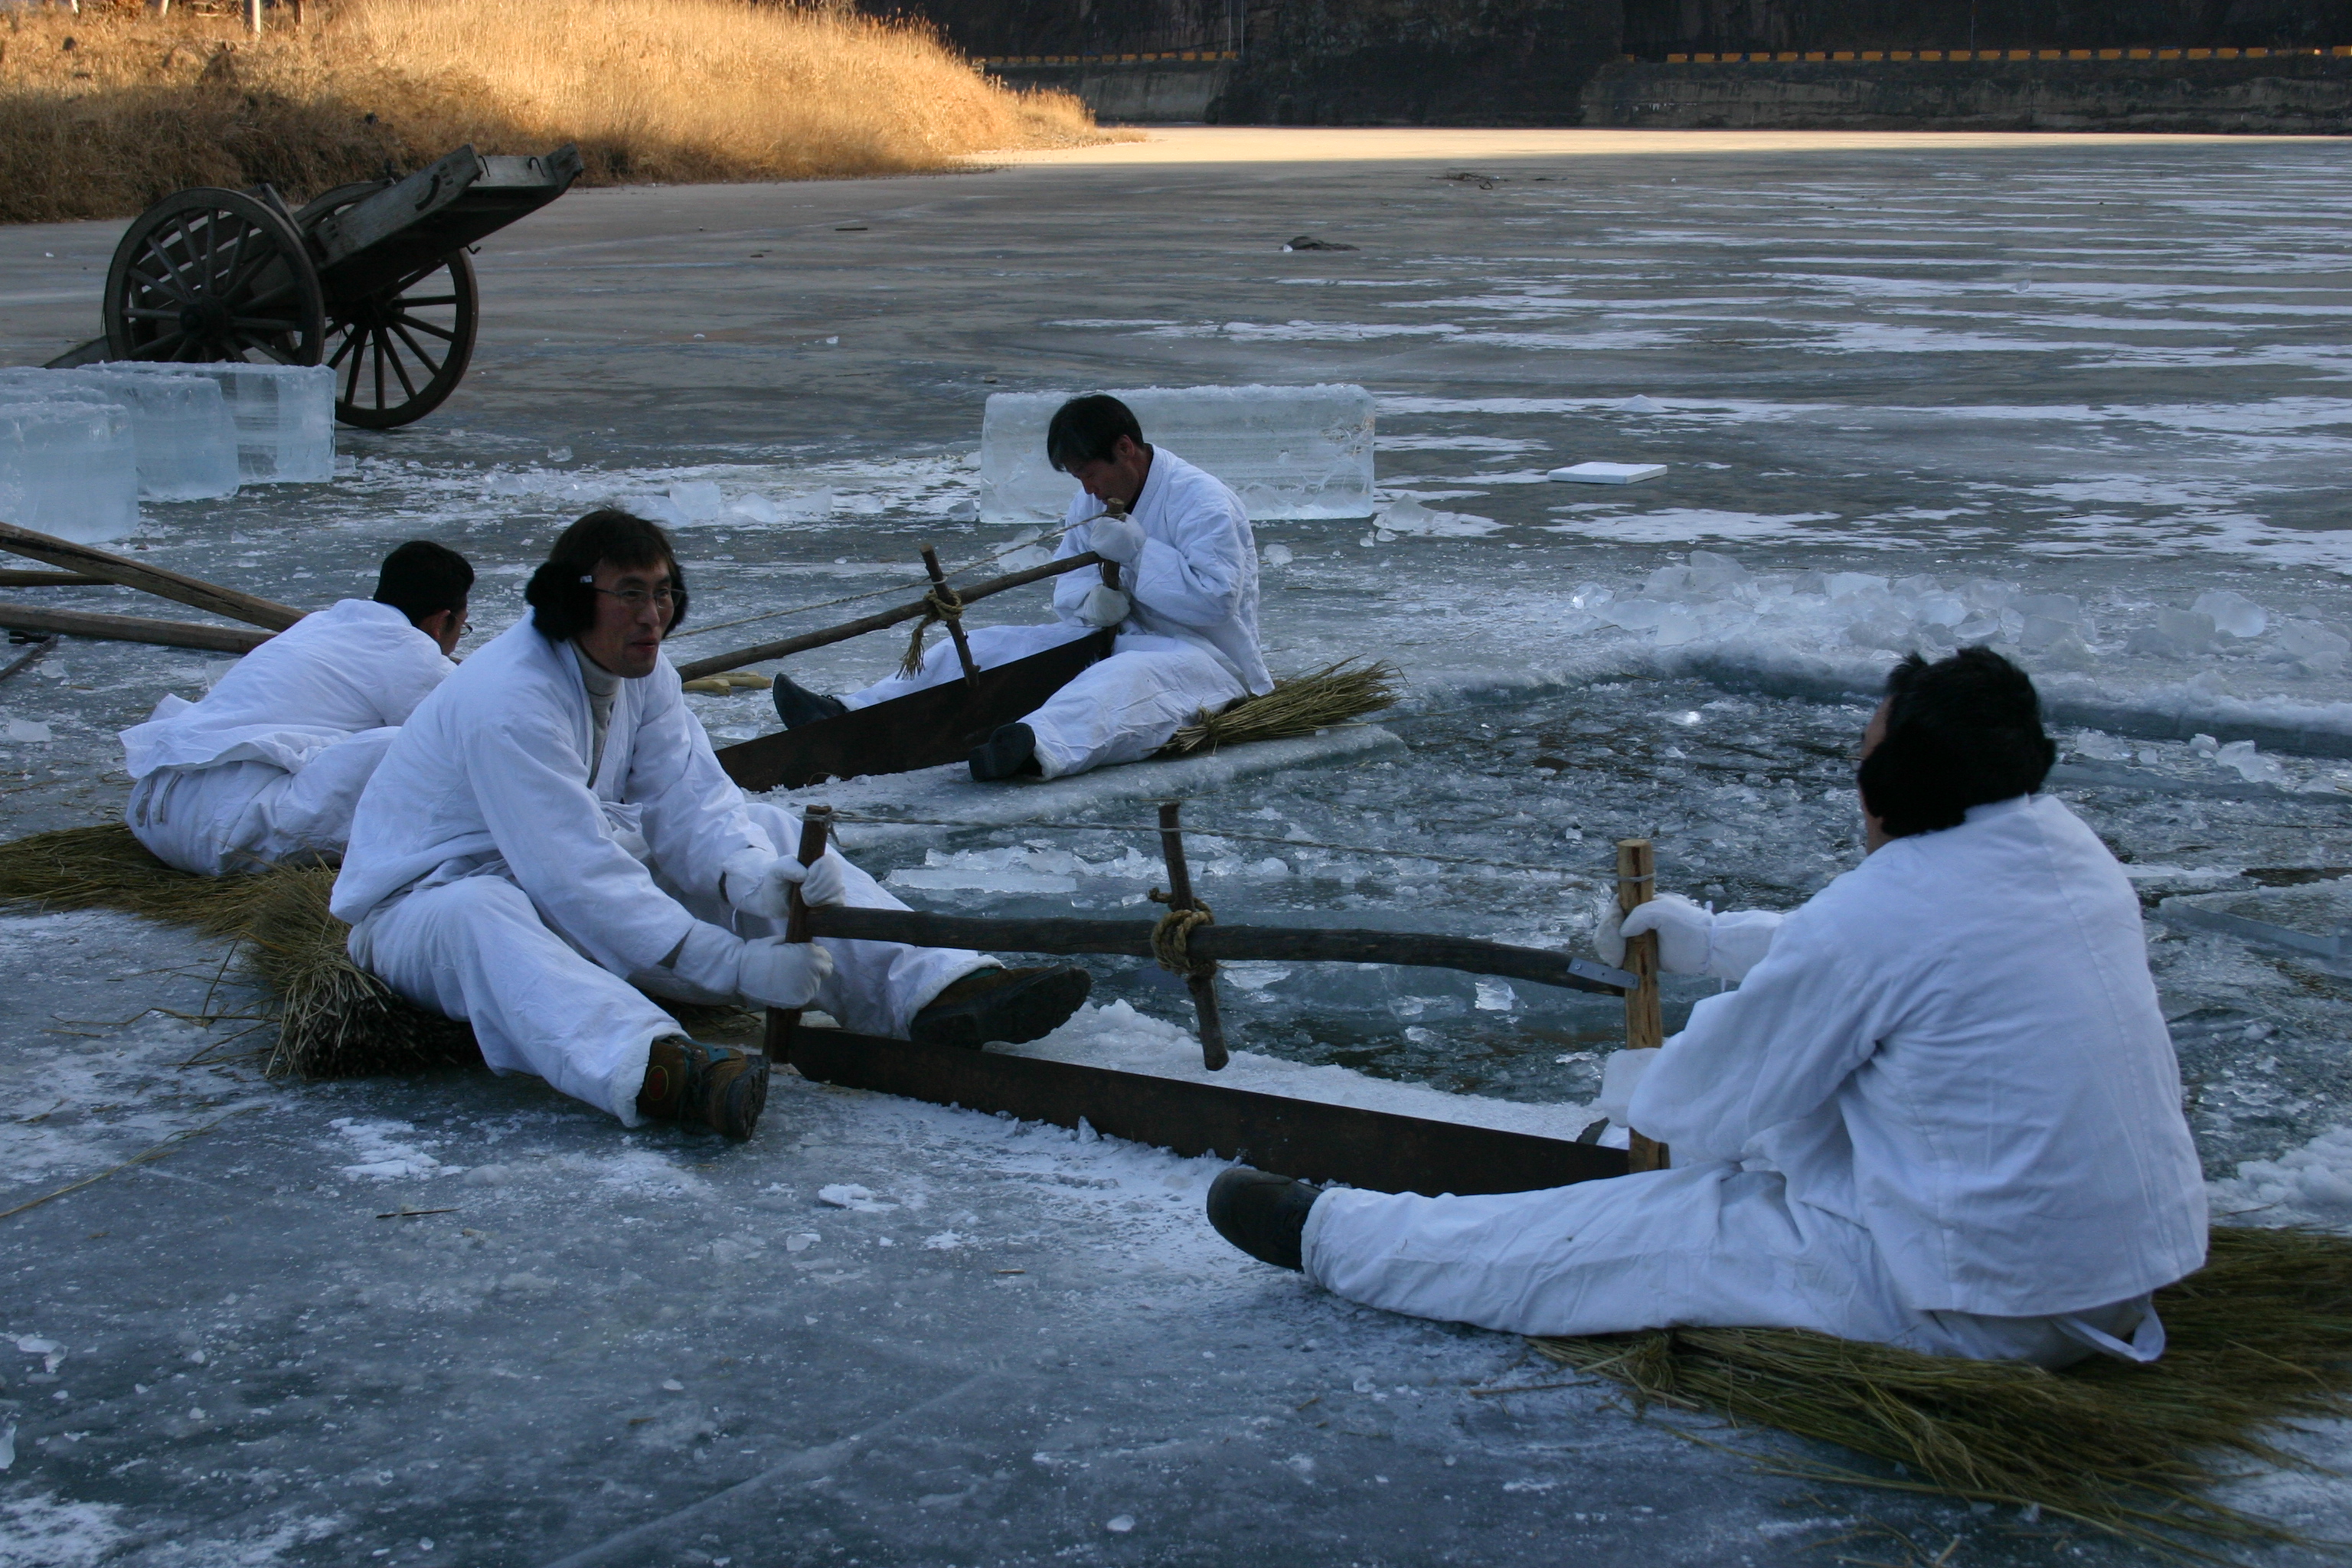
x,y
267,766
551,838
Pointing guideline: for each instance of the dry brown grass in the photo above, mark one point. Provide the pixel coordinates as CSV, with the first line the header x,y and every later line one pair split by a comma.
x,y
653,91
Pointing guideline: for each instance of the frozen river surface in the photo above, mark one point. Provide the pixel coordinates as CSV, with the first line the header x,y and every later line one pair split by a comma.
x,y
2084,400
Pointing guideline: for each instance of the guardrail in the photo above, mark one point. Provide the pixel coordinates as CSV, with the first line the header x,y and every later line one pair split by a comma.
x,y
1791,56
1207,55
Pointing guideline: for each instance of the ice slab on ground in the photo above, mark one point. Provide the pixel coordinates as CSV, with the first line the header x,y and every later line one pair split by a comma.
x,y
285,416
947,792
180,425
1289,452
1607,473
1119,1037
68,467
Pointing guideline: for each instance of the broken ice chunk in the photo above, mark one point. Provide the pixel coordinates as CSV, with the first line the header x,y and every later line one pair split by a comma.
x,y
853,1196
1607,473
1287,451
2233,613
2316,647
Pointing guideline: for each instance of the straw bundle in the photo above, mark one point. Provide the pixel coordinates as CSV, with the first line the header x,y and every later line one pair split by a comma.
x,y
1331,695
334,1019
2260,1335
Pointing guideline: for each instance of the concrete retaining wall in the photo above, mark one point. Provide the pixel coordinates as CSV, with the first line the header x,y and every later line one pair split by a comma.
x,y
2303,95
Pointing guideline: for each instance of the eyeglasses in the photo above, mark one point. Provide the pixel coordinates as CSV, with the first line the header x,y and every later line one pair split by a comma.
x,y
665,597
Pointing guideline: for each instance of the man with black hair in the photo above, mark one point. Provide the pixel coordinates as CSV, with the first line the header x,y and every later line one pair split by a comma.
x,y
1186,609
1940,1111
267,765
552,837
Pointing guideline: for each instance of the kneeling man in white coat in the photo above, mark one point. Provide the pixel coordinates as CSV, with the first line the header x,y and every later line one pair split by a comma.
x,y
1186,610
550,838
1940,1111
268,766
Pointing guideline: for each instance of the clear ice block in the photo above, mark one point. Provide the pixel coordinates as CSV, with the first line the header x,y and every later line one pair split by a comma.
x,y
285,414
180,424
1287,451
69,467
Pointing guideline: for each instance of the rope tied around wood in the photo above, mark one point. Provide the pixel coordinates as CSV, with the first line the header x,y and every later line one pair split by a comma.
x,y
940,604
1171,938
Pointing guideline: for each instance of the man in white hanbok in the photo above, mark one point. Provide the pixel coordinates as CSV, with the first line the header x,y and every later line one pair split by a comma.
x,y
1185,610
550,838
268,765
1940,1111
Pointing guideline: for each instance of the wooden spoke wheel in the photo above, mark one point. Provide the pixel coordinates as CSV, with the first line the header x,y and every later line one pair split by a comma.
x,y
213,275
398,352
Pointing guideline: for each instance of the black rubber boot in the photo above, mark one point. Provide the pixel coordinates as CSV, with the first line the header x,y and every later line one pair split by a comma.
x,y
1014,1006
1263,1214
696,1084
1008,754
796,705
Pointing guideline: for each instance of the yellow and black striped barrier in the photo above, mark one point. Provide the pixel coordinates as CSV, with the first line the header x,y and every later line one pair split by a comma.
x,y
1788,57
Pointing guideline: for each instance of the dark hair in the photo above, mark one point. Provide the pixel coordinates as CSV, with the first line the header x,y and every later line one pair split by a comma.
x,y
564,604
1962,732
422,578
1087,429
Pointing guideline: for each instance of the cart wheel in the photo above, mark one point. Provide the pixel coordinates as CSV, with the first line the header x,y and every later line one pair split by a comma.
x,y
399,351
213,275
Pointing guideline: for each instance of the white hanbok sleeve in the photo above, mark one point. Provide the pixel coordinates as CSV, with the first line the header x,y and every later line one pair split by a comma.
x,y
409,677
1772,1051
693,815
1070,589
527,770
1199,578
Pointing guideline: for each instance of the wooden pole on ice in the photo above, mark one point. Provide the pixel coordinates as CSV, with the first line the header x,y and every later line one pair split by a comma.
x,y
816,823
1199,974
1637,883
955,621
164,584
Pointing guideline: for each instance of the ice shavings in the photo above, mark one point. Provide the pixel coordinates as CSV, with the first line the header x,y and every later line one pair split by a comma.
x,y
383,1156
2310,1184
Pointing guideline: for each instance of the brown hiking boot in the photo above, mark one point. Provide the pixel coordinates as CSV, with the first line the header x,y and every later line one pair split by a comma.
x,y
696,1084
1013,1006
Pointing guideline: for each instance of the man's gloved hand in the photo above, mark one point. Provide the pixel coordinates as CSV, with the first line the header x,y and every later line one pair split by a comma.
x,y
779,973
762,884
747,881
1691,940
1684,933
1105,607
1115,539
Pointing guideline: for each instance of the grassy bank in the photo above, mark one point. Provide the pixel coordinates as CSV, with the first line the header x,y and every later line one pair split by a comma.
x,y
102,113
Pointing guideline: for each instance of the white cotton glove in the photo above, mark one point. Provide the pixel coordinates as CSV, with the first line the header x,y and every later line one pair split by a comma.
x,y
1691,940
759,883
1682,926
775,973
1105,607
1115,539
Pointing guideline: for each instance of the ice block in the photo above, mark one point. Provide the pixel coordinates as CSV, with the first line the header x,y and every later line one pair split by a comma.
x,y
1287,451
180,425
69,467
1607,473
285,414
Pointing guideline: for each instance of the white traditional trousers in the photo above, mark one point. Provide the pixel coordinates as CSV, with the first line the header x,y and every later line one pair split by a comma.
x,y
1708,1245
245,816
1120,710
476,949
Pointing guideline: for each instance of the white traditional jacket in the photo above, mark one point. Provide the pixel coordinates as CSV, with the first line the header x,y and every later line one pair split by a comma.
x,y
1197,577
1958,1046
333,674
494,768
